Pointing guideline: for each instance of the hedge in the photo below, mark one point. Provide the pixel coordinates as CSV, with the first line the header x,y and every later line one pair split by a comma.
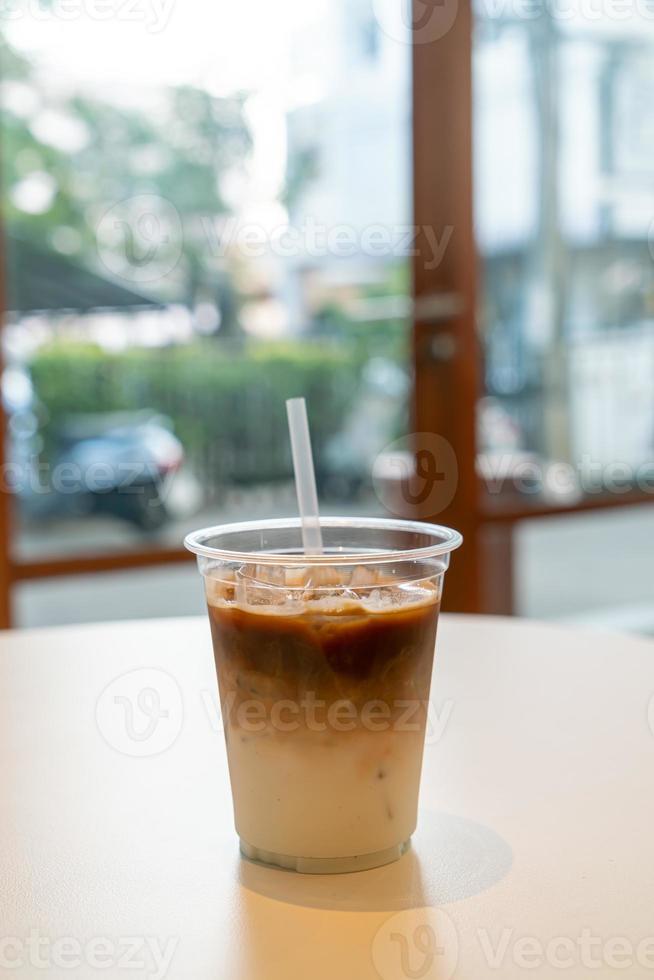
x,y
226,402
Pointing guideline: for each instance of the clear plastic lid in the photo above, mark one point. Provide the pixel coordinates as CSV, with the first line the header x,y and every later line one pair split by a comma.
x,y
347,541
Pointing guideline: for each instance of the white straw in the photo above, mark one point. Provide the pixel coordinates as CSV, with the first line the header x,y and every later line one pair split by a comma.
x,y
305,477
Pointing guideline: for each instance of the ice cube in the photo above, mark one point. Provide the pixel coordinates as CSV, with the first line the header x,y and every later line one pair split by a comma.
x,y
258,585
361,577
379,599
298,578
219,590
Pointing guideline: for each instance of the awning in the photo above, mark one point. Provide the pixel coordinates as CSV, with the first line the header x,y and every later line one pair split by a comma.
x,y
38,280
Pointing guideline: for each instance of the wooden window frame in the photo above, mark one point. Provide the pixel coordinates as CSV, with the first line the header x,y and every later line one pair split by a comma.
x,y
446,393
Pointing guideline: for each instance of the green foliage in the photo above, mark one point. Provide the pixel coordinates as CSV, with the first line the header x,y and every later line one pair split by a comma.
x,y
180,150
226,401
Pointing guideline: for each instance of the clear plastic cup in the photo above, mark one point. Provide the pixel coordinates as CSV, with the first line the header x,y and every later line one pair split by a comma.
x,y
324,668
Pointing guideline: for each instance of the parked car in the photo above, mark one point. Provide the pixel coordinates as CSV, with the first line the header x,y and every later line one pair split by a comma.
x,y
122,461
107,462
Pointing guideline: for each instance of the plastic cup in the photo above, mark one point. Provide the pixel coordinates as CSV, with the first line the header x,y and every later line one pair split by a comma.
x,y
324,666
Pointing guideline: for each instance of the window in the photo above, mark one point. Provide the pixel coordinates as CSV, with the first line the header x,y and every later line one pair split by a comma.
x,y
190,240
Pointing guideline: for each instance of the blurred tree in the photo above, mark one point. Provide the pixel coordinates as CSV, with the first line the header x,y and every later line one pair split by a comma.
x,y
68,161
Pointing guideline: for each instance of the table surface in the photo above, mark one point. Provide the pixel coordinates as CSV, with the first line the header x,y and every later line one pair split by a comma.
x,y
534,853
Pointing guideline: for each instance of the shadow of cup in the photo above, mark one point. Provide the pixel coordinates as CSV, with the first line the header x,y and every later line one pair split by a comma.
x,y
450,859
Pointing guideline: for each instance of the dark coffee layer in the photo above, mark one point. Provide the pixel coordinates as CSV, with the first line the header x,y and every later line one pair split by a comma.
x,y
350,653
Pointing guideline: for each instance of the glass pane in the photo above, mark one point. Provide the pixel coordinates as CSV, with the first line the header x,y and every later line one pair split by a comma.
x,y
196,230
564,136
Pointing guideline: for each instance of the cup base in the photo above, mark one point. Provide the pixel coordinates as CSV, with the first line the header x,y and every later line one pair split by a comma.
x,y
324,866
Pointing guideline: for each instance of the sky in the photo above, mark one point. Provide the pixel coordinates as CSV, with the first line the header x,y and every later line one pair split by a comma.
x,y
224,45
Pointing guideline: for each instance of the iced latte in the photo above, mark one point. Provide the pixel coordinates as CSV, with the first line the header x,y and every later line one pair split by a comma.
x,y
324,671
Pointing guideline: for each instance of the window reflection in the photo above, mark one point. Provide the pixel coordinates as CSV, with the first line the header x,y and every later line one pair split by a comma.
x,y
564,129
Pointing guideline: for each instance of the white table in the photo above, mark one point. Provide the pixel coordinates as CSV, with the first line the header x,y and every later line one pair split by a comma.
x,y
535,847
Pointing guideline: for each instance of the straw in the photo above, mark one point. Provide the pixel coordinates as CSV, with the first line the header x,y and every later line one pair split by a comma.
x,y
305,477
